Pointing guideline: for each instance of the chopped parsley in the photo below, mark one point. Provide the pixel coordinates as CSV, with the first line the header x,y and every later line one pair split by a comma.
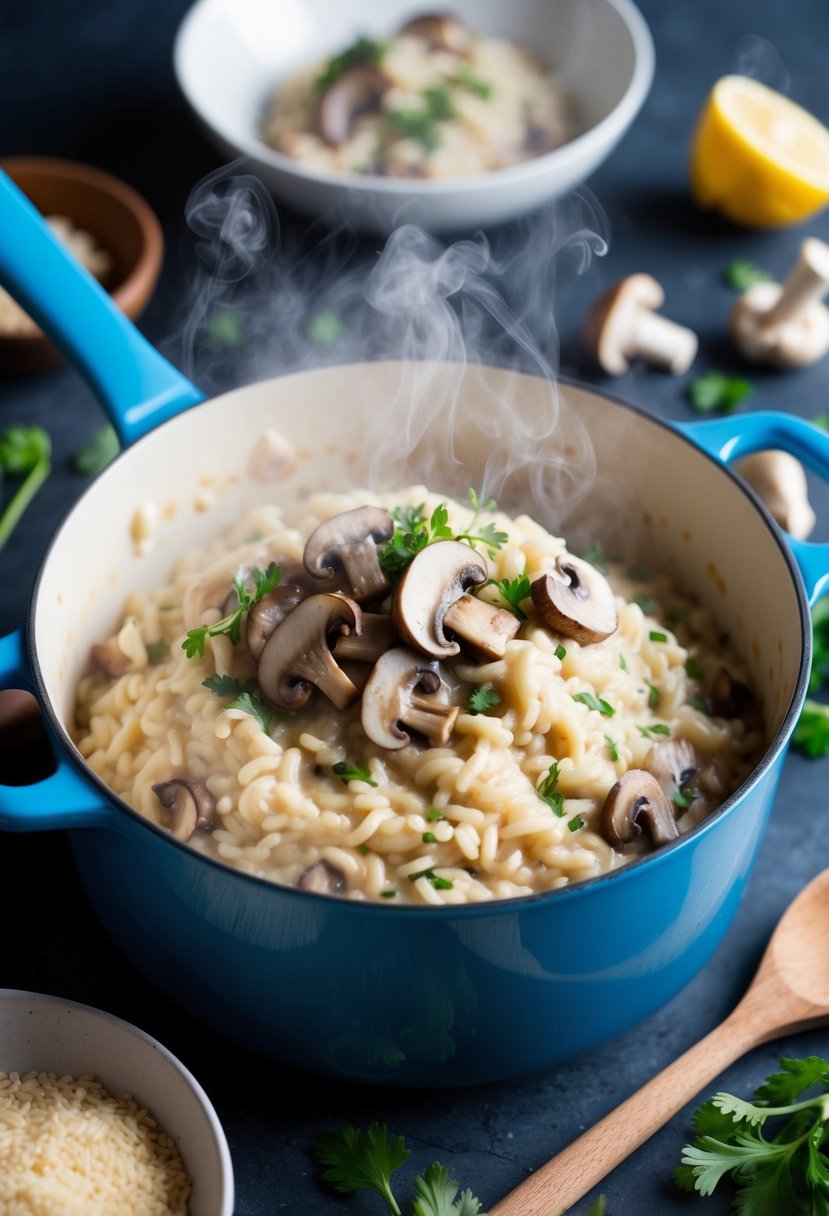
x,y
93,456
549,793
429,838
434,815
413,532
388,894
613,750
438,102
482,699
225,329
325,328
701,704
683,798
513,591
157,651
623,663
440,884
352,772
593,702
574,824
658,728
362,50
561,653
231,625
467,76
743,273
595,555
422,124
716,392
247,697
656,635
654,695
692,668
645,602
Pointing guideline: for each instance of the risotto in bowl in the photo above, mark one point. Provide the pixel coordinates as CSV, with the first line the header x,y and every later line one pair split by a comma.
x,y
398,787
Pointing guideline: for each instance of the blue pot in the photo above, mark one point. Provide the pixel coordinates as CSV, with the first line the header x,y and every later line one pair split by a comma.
x,y
411,995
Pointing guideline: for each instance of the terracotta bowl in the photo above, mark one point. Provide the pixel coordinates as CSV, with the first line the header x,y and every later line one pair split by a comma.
x,y
119,219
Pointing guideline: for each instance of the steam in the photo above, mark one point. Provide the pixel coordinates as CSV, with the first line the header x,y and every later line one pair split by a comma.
x,y
261,307
759,59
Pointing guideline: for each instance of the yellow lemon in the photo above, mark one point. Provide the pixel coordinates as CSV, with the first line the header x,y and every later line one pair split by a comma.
x,y
757,157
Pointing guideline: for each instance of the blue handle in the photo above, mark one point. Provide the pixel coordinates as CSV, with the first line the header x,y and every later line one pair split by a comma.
x,y
138,388
739,435
62,800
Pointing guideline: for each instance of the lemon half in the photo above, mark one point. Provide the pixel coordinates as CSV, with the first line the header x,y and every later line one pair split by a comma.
x,y
757,157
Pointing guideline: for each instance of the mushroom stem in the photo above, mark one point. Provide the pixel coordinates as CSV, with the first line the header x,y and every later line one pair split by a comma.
x,y
780,481
377,637
807,284
662,343
483,627
319,668
430,718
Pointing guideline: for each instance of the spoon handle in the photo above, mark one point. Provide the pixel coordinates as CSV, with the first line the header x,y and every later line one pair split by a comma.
x,y
575,1170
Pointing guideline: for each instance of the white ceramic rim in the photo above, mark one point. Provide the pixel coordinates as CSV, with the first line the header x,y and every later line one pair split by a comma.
x,y
582,146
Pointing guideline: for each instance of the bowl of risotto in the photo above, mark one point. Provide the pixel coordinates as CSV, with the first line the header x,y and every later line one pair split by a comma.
x,y
95,1115
379,114
421,763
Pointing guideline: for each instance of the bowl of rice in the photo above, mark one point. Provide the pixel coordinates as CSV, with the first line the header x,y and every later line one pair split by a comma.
x,y
105,224
96,1116
377,114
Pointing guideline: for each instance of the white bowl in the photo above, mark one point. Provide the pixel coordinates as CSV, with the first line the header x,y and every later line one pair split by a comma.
x,y
48,1034
230,54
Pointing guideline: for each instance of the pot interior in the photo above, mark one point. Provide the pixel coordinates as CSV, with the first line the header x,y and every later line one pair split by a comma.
x,y
584,466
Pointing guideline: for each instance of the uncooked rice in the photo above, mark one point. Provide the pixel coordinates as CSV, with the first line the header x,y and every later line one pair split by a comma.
x,y
68,1148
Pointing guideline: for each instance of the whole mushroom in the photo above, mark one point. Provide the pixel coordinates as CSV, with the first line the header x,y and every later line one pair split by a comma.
x,y
637,798
430,598
297,656
577,602
349,541
779,480
191,805
786,326
356,91
402,689
623,324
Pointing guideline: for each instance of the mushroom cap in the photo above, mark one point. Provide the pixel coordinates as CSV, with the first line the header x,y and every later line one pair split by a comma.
x,y
349,541
637,796
388,695
269,612
110,658
795,342
442,31
583,607
779,480
358,90
297,655
436,577
190,803
611,321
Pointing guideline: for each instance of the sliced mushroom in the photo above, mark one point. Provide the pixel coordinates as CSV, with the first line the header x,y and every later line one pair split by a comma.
x,y
636,798
323,879
730,698
430,598
356,91
297,656
271,611
402,688
191,805
442,31
579,604
350,541
376,638
674,764
111,659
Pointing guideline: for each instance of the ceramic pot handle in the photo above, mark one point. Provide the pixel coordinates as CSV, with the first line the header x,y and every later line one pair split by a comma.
x,y
63,799
137,387
739,435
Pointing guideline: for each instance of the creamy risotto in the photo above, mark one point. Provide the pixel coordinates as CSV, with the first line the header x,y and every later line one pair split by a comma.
x,y
435,101
435,704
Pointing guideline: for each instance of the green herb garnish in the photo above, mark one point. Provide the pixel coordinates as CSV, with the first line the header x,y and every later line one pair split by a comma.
x,y
472,81
422,124
25,451
781,1172
811,735
434,815
352,772
658,728
716,392
692,668
548,792
575,823
561,653
700,703
429,838
654,695
231,625
225,329
362,50
513,591
482,699
675,616
820,646
645,602
247,697
388,894
413,532
821,421
440,884
613,750
656,635
325,328
683,798
742,274
594,553
438,102
157,651
593,702
97,452
488,535
623,663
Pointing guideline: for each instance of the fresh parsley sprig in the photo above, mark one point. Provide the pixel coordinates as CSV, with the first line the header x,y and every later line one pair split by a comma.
x,y
716,392
231,625
362,50
413,531
743,273
786,1172
488,535
513,591
94,455
25,451
549,793
247,697
482,699
352,772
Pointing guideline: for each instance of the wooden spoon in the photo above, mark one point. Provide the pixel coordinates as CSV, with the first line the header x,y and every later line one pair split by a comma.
x,y
790,992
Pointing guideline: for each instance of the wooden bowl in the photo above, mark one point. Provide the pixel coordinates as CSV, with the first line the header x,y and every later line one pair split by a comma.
x,y
117,217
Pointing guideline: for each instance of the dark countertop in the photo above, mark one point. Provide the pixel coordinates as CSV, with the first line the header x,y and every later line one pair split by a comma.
x,y
95,82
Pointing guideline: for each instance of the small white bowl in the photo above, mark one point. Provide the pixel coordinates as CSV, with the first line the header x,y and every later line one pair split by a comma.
x,y
47,1034
230,54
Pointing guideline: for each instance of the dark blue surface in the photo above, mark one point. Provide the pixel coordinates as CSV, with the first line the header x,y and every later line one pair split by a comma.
x,y
93,80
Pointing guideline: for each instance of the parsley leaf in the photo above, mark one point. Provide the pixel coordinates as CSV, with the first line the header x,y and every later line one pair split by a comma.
x,y
157,651
715,391
469,78
743,273
594,553
811,735
482,699
656,635
548,792
435,1194
692,668
575,824
353,772
488,536
263,582
247,697
360,1160
413,532
225,329
683,798
440,884
97,452
654,695
325,328
25,451
422,123
593,702
561,653
644,602
362,50
512,591
613,750
658,728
